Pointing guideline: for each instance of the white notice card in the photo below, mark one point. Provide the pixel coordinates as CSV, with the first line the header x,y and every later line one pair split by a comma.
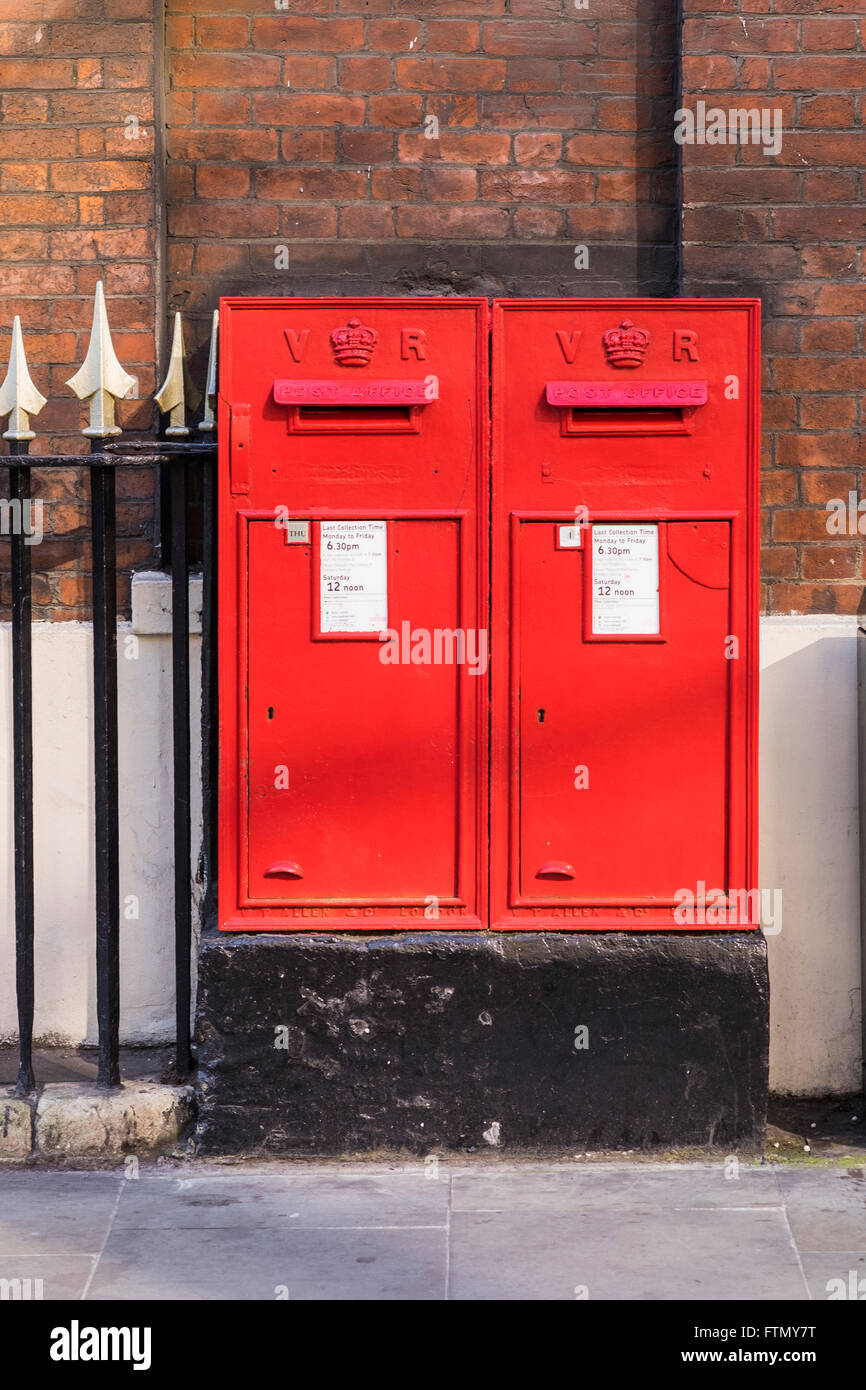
x,y
353,576
625,580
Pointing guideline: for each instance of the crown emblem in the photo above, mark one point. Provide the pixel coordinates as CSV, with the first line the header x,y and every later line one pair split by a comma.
x,y
354,345
626,346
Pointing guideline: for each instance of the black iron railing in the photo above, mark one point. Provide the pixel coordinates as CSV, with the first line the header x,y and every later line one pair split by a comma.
x,y
178,456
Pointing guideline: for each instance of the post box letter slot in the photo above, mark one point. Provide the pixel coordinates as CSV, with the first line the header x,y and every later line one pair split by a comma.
x,y
368,407
644,407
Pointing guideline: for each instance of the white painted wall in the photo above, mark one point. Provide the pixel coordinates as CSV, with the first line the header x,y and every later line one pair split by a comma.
x,y
63,821
809,837
809,849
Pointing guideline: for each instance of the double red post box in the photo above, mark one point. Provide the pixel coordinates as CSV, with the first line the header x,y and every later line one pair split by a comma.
x,y
478,678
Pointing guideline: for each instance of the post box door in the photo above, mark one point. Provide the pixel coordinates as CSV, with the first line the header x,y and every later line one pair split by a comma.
x,y
624,614
353,616
608,715
373,788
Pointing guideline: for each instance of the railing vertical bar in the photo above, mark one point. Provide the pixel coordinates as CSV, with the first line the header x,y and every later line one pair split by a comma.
x,y
180,715
209,712
102,485
22,743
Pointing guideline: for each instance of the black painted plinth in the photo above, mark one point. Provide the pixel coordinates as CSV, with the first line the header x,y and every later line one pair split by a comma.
x,y
466,1042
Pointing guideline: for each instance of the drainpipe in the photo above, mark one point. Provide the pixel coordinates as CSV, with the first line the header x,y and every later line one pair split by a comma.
x,y
677,150
861,739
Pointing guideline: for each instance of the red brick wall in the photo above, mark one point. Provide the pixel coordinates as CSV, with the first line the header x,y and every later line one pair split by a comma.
x,y
77,203
791,229
306,128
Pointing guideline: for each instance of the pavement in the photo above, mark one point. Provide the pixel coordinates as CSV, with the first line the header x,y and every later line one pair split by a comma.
x,y
56,1065
435,1229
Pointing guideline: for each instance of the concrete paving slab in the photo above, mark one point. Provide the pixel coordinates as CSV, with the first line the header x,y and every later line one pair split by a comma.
x,y
253,1265
572,1187
331,1198
826,1208
55,1213
635,1254
387,1232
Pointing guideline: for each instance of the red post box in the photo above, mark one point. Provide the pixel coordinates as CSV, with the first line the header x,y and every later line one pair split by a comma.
x,y
624,614
353,613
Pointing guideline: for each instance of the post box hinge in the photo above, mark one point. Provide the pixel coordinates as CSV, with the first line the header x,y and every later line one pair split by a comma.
x,y
239,448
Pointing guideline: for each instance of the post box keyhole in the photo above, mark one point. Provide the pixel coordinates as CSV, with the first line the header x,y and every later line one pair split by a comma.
x,y
270,711
541,716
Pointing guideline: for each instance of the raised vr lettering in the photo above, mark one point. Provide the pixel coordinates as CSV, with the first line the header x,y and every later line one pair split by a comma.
x,y
413,340
685,344
569,342
297,340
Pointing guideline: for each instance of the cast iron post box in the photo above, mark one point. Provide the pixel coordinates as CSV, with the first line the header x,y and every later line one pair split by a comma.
x,y
624,614
353,613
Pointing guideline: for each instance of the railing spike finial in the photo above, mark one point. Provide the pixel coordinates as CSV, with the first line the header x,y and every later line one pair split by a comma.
x,y
177,392
101,379
208,420
19,398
